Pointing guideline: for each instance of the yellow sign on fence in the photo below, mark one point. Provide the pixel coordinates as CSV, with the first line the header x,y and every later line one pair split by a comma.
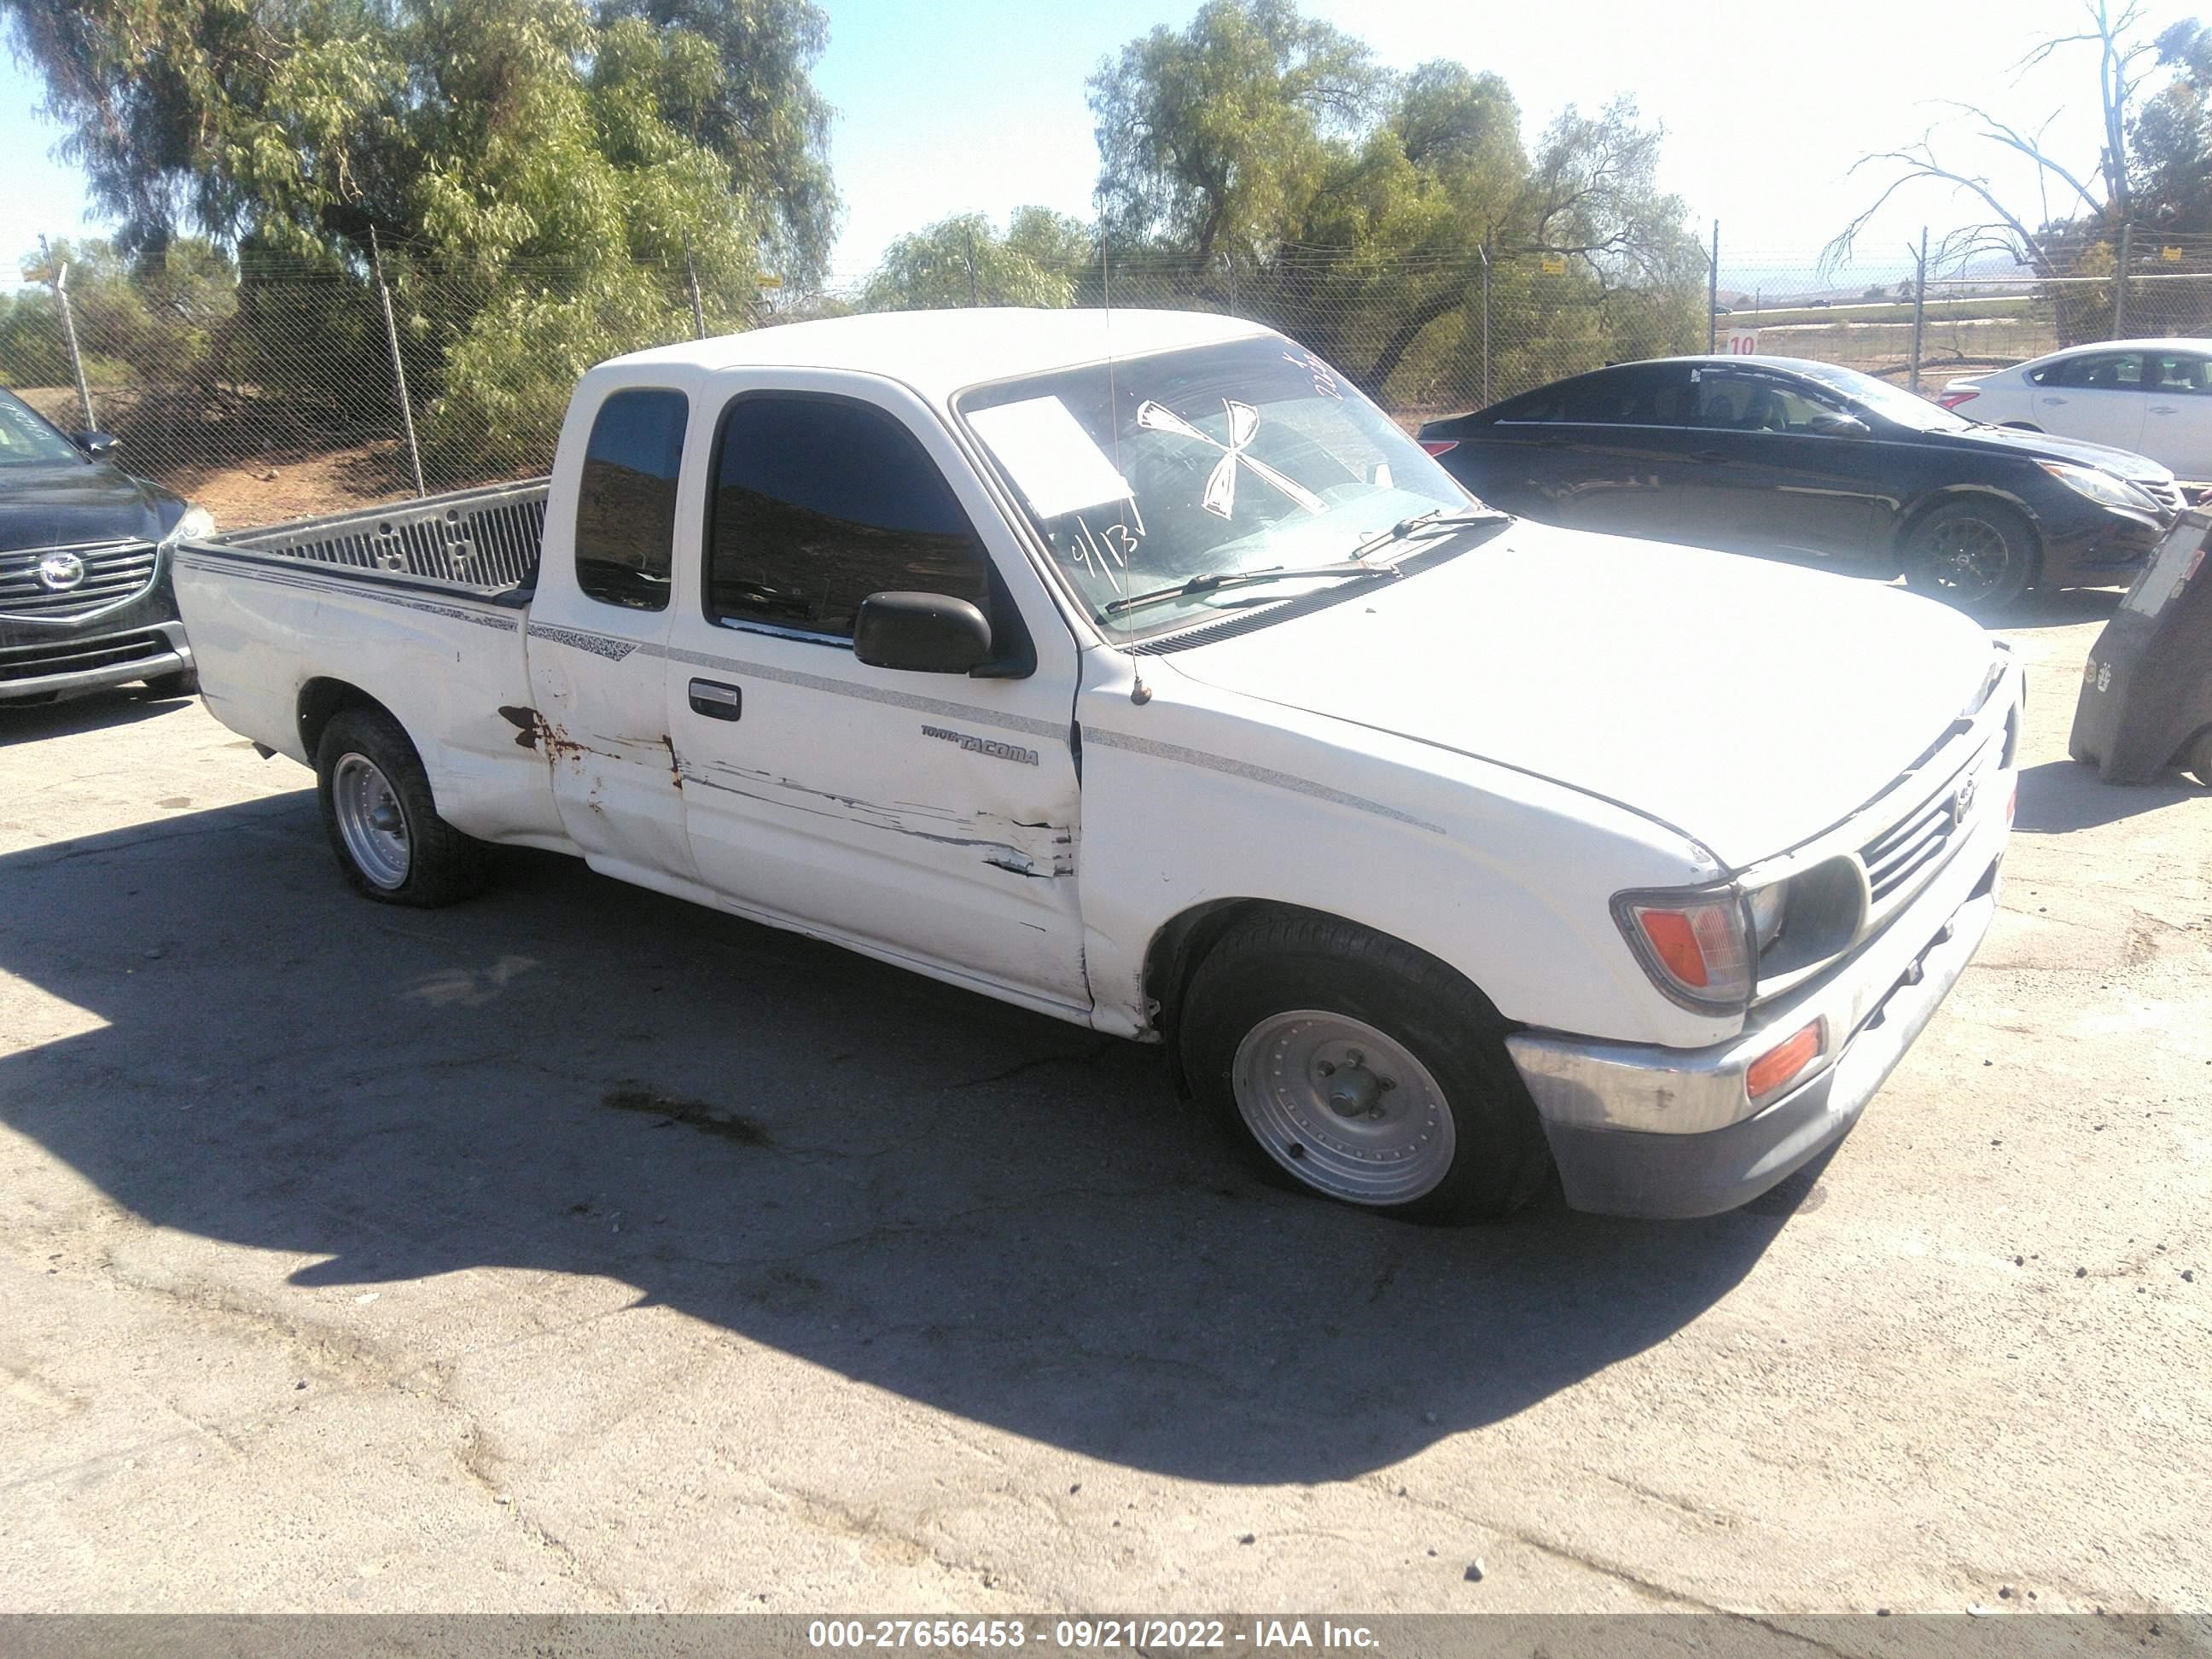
x,y
1555,264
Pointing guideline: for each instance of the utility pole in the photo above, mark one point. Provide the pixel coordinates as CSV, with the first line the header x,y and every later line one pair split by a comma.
x,y
399,368
2119,286
1713,294
1919,306
1483,249
692,276
971,230
76,357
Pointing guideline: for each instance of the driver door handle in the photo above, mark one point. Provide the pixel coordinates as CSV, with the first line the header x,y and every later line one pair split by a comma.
x,y
716,700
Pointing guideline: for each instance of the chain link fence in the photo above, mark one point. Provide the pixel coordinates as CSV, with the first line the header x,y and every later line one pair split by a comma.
x,y
268,389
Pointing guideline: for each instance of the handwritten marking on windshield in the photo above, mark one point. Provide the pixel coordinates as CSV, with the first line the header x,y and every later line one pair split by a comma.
x,y
1219,497
1324,377
1099,552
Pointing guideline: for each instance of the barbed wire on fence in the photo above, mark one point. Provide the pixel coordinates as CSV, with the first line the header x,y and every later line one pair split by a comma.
x,y
271,386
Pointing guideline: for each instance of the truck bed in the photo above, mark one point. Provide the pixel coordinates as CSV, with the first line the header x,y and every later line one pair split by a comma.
x,y
420,607
484,541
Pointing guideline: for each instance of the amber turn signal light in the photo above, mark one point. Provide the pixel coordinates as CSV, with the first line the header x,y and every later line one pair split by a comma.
x,y
1782,1065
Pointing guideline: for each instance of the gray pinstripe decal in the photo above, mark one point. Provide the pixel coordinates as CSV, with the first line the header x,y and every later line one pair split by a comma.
x,y
308,582
1169,751
617,648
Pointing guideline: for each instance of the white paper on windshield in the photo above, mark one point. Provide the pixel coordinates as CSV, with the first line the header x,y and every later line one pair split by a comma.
x,y
1053,461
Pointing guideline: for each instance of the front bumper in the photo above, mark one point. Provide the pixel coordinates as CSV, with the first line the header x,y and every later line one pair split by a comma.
x,y
2098,548
1641,1130
105,657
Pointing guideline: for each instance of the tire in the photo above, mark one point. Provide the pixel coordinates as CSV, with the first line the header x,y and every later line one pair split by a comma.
x,y
1976,555
382,822
184,683
1375,1033
2198,762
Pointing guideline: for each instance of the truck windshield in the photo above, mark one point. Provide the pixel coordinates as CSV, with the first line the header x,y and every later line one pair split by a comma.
x,y
1216,461
26,440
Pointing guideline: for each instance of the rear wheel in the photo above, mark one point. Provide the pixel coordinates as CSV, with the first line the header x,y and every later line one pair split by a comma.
x,y
382,822
1979,556
1355,1067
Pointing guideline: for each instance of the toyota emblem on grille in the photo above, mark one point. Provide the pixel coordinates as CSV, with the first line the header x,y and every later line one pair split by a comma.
x,y
59,572
1961,800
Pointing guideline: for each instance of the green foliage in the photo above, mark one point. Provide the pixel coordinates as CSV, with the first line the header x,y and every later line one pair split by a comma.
x,y
483,143
2173,135
963,261
1293,180
1211,137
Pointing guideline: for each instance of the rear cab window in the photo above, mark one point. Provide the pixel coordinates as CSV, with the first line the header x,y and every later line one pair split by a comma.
x,y
626,498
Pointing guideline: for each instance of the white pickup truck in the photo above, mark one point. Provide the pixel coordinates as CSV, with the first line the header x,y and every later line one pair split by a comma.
x,y
1133,668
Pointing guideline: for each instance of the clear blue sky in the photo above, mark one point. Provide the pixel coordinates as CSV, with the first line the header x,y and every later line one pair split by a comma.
x,y
979,105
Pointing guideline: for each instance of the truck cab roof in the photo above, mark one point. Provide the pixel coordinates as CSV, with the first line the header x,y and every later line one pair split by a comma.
x,y
940,353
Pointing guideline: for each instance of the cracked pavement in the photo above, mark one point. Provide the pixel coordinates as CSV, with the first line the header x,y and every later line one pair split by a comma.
x,y
577,1248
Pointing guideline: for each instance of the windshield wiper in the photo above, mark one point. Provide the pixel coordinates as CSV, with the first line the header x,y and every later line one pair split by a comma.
x,y
1211,581
1434,523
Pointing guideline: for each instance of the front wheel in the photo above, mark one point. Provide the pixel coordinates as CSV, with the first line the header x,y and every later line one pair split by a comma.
x,y
383,824
1354,1067
1979,556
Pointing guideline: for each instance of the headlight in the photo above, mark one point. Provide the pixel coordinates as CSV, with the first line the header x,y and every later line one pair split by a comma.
x,y
197,523
1694,943
2102,488
1767,905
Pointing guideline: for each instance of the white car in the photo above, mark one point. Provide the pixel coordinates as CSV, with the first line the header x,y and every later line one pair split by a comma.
x,y
2153,397
1138,670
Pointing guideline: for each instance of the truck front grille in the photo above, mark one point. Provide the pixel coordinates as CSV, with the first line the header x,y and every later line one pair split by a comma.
x,y
1893,858
112,572
1902,858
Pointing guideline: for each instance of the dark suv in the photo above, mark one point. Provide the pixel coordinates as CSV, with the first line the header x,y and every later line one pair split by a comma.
x,y
84,566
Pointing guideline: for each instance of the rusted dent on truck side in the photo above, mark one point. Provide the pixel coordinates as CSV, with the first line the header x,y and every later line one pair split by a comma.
x,y
675,762
1040,851
527,724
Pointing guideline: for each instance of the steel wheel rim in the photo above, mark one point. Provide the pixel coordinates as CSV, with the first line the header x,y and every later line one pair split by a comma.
x,y
1970,555
370,821
1345,1108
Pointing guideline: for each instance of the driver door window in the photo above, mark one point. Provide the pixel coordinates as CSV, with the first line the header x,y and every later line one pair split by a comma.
x,y
820,501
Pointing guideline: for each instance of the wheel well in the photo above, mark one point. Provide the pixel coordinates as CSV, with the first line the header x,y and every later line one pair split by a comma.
x,y
1921,510
1180,945
321,700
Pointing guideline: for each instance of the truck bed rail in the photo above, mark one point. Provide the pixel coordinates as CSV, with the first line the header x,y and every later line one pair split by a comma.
x,y
483,540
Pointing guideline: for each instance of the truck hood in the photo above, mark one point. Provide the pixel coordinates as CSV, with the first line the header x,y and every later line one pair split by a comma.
x,y
69,504
1749,705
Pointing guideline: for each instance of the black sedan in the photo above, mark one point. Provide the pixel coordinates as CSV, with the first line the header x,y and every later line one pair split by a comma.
x,y
85,598
1795,460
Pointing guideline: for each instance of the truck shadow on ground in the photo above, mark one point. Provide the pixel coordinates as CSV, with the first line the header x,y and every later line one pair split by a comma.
x,y
979,1209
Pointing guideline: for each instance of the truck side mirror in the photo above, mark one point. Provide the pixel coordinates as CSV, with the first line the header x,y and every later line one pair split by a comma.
x,y
922,633
95,444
